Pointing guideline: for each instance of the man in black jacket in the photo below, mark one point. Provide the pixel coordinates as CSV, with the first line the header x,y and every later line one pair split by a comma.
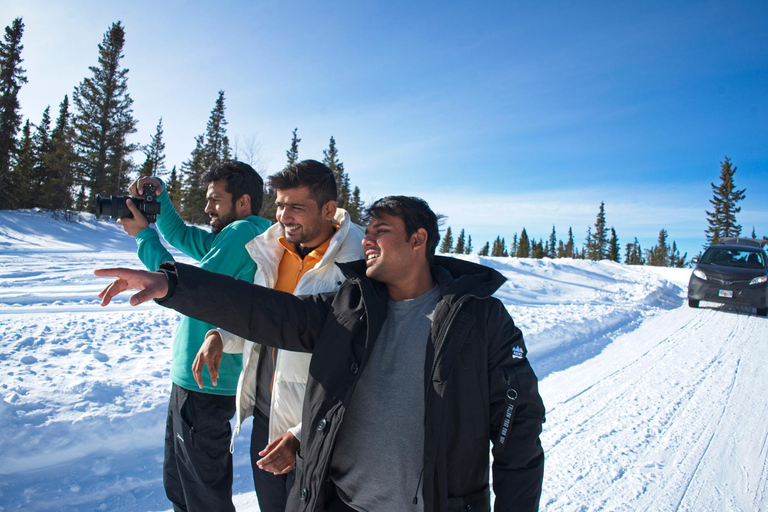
x,y
415,368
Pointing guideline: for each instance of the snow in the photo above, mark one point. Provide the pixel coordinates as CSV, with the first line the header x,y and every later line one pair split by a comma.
x,y
651,405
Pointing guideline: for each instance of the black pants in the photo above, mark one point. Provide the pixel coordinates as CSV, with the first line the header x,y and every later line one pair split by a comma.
x,y
197,470
271,490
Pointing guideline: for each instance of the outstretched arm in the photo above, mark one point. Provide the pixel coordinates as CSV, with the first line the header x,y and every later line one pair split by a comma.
x,y
248,310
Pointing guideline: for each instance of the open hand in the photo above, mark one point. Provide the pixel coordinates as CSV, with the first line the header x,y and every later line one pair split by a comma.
x,y
152,285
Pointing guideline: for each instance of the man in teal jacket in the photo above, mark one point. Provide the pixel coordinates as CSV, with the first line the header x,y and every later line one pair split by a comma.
x,y
197,470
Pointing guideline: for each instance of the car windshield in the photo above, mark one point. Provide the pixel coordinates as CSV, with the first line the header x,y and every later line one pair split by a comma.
x,y
734,258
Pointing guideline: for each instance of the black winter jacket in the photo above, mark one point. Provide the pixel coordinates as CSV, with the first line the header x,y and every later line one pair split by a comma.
x,y
479,384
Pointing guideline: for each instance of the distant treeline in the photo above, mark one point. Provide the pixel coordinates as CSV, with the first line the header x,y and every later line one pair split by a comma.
x,y
603,243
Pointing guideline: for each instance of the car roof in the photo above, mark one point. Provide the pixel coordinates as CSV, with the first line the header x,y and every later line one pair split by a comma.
x,y
749,248
742,242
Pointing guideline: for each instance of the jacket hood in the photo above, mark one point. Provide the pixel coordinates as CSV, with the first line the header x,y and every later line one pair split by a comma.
x,y
459,277
454,276
267,252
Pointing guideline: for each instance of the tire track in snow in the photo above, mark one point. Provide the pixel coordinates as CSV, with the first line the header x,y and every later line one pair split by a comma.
x,y
610,381
663,385
709,441
681,416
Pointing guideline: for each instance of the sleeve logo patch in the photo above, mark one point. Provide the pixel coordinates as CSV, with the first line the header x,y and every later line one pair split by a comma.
x,y
517,352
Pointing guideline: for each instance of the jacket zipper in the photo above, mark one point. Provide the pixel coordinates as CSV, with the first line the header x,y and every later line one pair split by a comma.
x,y
438,352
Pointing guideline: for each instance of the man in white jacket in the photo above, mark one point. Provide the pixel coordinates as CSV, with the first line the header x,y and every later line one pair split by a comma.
x,y
296,255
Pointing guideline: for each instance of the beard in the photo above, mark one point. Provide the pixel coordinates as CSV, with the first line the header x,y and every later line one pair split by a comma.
x,y
220,222
303,235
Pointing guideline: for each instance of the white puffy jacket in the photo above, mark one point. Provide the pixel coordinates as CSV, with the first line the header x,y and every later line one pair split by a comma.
x,y
291,368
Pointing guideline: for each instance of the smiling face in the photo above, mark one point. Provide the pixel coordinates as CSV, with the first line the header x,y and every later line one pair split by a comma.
x,y
219,206
390,256
303,221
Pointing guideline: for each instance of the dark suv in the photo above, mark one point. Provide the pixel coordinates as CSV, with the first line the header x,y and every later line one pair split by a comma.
x,y
735,271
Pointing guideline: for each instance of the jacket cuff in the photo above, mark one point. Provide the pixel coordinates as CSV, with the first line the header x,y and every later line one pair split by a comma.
x,y
169,269
146,234
296,431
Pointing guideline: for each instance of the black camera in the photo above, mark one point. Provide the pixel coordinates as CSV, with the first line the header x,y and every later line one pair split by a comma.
x,y
115,206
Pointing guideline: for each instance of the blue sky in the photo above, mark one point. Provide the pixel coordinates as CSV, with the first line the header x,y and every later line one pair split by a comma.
x,y
502,115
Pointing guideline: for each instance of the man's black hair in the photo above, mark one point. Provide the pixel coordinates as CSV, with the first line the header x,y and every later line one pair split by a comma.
x,y
307,173
416,214
241,179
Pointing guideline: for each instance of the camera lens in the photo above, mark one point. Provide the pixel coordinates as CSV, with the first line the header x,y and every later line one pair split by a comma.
x,y
114,207
102,204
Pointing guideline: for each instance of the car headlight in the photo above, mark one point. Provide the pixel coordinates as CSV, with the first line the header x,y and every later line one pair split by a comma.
x,y
759,280
701,275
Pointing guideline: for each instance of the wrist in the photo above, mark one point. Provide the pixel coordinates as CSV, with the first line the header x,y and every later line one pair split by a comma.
x,y
168,268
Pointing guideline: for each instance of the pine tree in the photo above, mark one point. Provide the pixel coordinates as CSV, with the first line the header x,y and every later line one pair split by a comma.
x,y
613,247
523,246
331,159
23,171
658,255
154,164
551,252
589,245
537,249
192,193
597,243
485,250
447,245
61,162
634,254
513,247
104,120
174,189
468,248
216,147
674,257
560,249
41,143
498,249
722,218
356,206
11,79
459,248
569,245
293,153
210,148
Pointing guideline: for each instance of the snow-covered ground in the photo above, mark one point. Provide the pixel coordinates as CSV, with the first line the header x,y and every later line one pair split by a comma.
x,y
651,405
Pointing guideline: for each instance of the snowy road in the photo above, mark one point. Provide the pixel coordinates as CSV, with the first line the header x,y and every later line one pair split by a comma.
x,y
671,416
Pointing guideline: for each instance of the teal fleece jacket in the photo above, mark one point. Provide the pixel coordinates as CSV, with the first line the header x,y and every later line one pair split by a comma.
x,y
224,253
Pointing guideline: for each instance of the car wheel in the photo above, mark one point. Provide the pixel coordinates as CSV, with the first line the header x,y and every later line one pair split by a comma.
x,y
762,311
693,303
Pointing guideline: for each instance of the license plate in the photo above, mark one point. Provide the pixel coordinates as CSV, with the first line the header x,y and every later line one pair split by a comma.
x,y
728,294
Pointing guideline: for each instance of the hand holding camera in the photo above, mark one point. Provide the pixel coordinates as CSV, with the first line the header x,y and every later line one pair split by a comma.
x,y
144,201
